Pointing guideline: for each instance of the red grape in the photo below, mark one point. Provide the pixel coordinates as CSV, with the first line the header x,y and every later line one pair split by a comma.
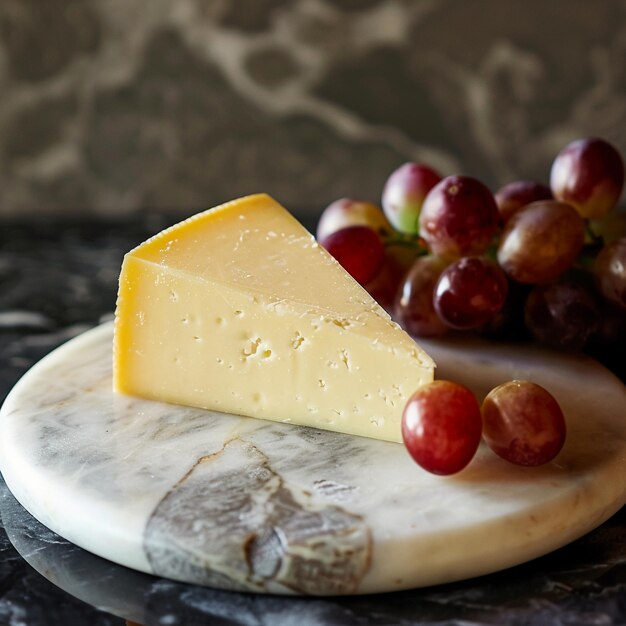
x,y
404,194
347,212
539,243
589,175
386,284
459,217
523,423
516,195
358,249
562,315
414,308
470,292
441,427
610,272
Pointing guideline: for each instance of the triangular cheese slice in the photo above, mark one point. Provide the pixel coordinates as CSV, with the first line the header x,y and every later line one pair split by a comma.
x,y
239,310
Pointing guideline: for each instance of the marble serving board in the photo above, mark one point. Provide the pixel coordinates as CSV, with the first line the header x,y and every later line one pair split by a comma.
x,y
249,505
579,585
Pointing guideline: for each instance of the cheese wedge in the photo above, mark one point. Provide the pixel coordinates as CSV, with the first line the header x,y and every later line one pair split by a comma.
x,y
239,310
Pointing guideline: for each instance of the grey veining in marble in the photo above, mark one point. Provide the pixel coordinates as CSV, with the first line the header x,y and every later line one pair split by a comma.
x,y
251,505
119,105
269,534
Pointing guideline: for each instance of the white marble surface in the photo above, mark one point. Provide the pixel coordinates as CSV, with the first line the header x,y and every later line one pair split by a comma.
x,y
244,504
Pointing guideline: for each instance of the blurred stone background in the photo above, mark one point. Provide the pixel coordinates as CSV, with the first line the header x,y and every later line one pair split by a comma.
x,y
114,106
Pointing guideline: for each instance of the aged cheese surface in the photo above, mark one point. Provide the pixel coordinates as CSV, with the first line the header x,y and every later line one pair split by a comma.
x,y
238,309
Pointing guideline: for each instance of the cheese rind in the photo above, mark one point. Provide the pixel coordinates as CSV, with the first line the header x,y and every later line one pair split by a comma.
x,y
239,310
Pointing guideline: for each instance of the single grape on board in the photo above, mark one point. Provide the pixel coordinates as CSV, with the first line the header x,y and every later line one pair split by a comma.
x,y
442,426
523,423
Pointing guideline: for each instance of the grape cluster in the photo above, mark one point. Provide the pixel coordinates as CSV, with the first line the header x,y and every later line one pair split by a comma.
x,y
531,259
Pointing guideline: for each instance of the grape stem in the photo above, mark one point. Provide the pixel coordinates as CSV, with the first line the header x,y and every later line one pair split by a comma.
x,y
492,251
587,257
408,241
596,240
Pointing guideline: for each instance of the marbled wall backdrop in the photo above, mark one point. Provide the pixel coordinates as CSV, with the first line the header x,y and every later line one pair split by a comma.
x,y
113,106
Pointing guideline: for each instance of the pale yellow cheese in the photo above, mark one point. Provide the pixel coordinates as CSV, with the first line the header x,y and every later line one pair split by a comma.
x,y
238,309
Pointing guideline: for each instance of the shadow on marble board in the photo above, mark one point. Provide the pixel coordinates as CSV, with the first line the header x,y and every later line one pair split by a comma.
x,y
118,106
582,581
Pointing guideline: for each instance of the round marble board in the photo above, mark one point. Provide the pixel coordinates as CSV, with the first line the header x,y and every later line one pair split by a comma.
x,y
252,505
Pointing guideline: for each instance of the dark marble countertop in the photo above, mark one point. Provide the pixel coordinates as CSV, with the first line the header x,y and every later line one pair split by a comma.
x,y
59,278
